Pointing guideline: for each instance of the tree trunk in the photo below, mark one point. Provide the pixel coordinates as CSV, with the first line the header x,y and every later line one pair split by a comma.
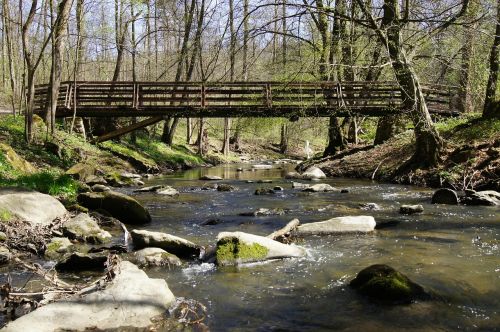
x,y
491,104
388,127
284,138
8,39
59,35
465,92
428,142
336,138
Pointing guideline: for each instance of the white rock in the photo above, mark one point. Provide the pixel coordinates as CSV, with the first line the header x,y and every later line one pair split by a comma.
x,y
32,206
132,299
320,187
262,166
358,224
298,185
313,173
173,244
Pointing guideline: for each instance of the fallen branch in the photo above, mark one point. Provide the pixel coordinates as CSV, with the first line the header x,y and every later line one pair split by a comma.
x,y
283,235
52,278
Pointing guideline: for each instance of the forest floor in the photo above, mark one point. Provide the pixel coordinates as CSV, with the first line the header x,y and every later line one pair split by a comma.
x,y
470,158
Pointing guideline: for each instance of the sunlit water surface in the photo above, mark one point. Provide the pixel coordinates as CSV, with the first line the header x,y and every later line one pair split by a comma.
x,y
438,249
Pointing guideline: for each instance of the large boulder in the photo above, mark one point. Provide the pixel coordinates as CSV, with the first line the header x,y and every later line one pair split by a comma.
x,y
156,257
58,247
130,301
487,198
445,196
313,173
173,244
30,205
358,224
120,206
320,188
84,228
385,285
238,247
17,162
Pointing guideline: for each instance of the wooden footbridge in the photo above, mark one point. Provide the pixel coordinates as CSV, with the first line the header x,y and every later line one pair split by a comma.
x,y
238,99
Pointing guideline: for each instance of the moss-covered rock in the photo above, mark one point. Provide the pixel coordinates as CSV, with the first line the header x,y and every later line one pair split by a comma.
x,y
385,285
120,206
232,251
264,191
58,247
16,161
81,171
84,228
238,247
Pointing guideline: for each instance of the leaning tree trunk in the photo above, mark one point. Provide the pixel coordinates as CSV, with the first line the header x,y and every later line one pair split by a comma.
x,y
491,105
428,142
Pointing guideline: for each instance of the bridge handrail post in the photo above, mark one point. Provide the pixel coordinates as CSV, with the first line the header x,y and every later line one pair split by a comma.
x,y
67,99
268,95
203,95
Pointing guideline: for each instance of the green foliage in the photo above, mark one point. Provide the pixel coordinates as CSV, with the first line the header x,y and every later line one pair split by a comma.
x,y
46,182
230,251
5,215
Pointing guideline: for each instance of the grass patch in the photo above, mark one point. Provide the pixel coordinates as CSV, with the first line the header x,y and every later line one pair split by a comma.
x,y
46,182
5,215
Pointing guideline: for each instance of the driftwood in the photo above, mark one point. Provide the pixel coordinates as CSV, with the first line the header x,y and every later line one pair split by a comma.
x,y
284,234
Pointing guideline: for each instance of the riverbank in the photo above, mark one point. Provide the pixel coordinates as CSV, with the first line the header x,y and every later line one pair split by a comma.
x,y
470,158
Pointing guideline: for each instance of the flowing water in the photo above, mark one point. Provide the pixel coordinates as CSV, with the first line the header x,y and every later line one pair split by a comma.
x,y
452,251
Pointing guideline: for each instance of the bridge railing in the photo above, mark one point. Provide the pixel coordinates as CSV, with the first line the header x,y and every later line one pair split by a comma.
x,y
349,96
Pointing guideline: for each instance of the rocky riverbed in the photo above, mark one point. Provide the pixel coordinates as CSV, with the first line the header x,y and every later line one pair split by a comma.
x,y
217,247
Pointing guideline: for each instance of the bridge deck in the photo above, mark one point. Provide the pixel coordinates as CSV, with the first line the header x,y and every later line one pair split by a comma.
x,y
240,99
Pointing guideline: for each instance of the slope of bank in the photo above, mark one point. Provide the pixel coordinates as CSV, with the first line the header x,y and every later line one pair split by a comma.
x,y
470,158
42,164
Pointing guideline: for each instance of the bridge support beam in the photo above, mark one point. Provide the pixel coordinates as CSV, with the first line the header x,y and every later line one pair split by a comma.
x,y
128,129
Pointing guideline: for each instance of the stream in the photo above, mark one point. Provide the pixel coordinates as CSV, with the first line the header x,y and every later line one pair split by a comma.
x,y
452,251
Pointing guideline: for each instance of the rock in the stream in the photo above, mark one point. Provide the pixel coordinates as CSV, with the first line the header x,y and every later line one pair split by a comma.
x,y
5,255
120,206
357,224
210,178
293,175
265,181
129,302
445,196
411,209
320,188
238,247
262,166
30,205
3,237
313,173
99,188
278,188
369,207
58,247
264,212
385,285
298,185
160,189
95,180
84,228
173,244
225,187
486,198
264,191
82,262
128,175
156,257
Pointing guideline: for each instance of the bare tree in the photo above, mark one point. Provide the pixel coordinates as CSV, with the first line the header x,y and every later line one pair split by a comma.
x,y
491,104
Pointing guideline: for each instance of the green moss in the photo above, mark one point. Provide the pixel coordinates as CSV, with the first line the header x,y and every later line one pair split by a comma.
x,y
232,251
394,285
54,246
5,216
